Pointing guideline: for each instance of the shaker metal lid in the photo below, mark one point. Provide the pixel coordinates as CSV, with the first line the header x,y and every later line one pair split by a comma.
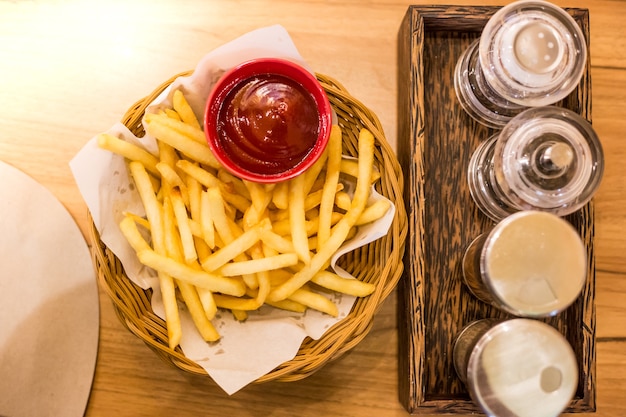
x,y
533,52
535,263
522,368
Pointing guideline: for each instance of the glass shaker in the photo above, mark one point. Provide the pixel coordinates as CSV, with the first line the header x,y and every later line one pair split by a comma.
x,y
516,368
531,264
546,158
530,54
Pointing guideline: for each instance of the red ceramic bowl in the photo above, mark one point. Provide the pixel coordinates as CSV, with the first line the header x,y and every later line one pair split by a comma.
x,y
267,120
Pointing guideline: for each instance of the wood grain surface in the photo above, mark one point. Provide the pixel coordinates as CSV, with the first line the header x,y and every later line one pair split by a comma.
x,y
71,68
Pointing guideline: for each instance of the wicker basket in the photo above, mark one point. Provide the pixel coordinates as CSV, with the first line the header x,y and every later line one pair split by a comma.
x,y
379,262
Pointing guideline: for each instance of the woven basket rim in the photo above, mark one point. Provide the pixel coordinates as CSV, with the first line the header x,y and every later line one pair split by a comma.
x,y
132,304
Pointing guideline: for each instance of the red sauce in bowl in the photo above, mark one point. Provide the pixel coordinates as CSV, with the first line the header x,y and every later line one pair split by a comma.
x,y
268,124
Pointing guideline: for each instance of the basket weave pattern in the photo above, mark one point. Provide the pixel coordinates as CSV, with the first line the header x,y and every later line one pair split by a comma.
x,y
379,262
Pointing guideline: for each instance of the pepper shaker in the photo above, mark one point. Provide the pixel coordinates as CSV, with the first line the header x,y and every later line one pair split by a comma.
x,y
546,158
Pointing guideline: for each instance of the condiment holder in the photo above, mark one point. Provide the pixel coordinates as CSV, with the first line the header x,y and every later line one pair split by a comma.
x,y
436,310
267,120
516,368
531,53
531,264
546,158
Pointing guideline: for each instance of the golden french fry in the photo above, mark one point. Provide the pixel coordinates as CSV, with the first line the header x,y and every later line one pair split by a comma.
x,y
203,176
239,202
280,195
315,301
194,189
314,199
251,217
277,242
157,126
174,124
259,196
133,236
312,214
288,305
171,114
206,220
206,296
234,184
141,221
208,302
351,167
263,277
283,227
297,218
183,109
197,312
342,228
202,248
250,280
171,238
373,212
311,175
199,278
318,184
279,276
343,200
267,251
235,247
167,158
253,266
263,280
152,206
209,180
167,154
240,315
184,229
330,186
196,229
236,303
279,215
129,151
350,286
218,213
313,243
172,315
170,175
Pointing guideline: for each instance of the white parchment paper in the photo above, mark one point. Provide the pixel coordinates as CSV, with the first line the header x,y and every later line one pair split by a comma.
x,y
269,337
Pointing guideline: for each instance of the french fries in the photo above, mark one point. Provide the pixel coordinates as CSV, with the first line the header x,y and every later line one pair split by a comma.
x,y
341,229
219,242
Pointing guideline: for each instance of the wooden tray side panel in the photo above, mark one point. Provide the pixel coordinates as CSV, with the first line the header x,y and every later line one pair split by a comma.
x,y
435,142
410,154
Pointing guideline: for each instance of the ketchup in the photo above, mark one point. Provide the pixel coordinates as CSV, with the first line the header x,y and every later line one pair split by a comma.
x,y
268,124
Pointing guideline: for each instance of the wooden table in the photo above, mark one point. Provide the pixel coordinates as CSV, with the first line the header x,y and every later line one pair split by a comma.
x,y
71,69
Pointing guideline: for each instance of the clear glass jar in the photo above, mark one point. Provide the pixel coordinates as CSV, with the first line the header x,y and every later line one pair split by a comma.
x,y
546,158
530,54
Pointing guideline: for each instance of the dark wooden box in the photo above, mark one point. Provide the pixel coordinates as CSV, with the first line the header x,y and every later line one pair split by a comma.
x,y
435,142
